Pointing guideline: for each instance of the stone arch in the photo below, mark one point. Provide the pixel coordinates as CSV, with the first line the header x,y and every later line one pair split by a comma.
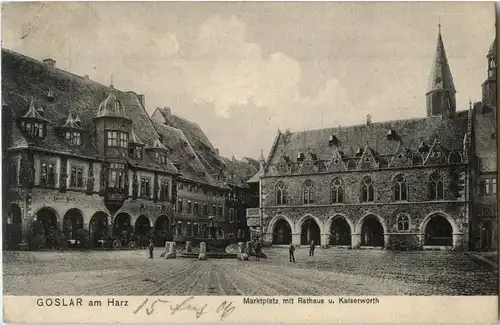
x,y
340,228
142,225
45,227
99,228
13,225
372,229
281,228
309,227
122,226
163,230
455,157
72,223
443,230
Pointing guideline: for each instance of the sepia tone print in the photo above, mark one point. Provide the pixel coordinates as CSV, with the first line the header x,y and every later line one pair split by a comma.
x,y
107,194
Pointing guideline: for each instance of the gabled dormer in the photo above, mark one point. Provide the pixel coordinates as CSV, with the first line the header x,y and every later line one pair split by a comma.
x,y
158,152
402,157
336,163
32,123
71,131
135,146
368,160
112,127
437,154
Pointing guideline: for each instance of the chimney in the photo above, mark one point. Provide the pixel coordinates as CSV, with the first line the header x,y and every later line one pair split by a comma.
x,y
167,111
368,119
142,99
51,63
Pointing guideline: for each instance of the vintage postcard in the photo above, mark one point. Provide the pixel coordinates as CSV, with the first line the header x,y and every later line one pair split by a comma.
x,y
249,162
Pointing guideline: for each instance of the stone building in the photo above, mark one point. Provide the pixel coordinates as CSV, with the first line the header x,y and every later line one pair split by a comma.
x,y
83,158
398,184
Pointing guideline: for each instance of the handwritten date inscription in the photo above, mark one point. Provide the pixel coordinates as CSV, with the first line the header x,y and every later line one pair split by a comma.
x,y
189,304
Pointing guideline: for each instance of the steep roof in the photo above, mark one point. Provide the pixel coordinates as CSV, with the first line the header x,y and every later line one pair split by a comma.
x,y
440,78
23,77
197,138
493,49
238,172
181,153
409,132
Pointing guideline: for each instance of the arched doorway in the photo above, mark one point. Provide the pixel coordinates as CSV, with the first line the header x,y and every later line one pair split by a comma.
x,y
282,233
310,231
44,230
340,232
13,229
438,232
372,232
486,235
142,230
72,223
163,231
122,228
99,228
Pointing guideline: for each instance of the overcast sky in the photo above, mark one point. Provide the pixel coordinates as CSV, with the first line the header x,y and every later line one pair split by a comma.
x,y
241,70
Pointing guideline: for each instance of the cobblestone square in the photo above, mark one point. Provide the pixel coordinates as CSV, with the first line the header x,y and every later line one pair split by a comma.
x,y
329,272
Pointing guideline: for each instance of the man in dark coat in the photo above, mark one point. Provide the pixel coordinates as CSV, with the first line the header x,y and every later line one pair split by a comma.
x,y
151,248
312,246
291,250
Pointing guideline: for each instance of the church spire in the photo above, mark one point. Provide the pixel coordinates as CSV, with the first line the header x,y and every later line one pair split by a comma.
x,y
441,90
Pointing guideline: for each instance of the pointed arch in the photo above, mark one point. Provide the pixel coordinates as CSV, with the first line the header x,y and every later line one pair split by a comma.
x,y
455,157
367,189
436,186
309,228
372,229
280,193
400,187
308,192
281,229
337,190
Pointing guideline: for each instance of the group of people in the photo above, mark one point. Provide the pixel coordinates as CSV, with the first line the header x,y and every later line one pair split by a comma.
x,y
291,250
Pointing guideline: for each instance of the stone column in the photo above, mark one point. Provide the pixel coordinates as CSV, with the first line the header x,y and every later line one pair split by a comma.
x,y
458,241
25,230
325,238
355,240
421,240
387,239
296,239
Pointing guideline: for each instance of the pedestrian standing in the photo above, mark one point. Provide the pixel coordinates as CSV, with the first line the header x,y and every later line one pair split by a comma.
x,y
151,248
257,249
312,246
291,250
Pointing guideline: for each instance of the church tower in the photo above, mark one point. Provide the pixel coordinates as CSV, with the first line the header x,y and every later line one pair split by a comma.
x,y
440,95
490,85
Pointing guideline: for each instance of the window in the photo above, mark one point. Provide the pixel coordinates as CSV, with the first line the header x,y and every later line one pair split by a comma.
x,y
400,189
337,191
179,186
33,128
116,176
189,207
196,208
280,193
403,223
308,192
76,176
190,188
145,187
494,185
135,152
219,212
213,210
13,173
75,138
231,215
367,190
205,209
437,187
179,205
163,159
47,175
164,194
116,139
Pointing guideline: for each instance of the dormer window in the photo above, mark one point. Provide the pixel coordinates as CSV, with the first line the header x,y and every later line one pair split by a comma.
x,y
423,147
74,138
359,152
391,135
135,152
300,156
117,139
333,141
50,96
33,123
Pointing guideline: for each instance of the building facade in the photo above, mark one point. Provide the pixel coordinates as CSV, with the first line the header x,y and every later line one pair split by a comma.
x,y
403,184
84,161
